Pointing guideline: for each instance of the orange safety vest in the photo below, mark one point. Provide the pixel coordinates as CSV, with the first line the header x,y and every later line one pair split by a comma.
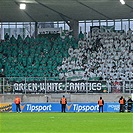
x,y
122,101
63,100
100,102
17,100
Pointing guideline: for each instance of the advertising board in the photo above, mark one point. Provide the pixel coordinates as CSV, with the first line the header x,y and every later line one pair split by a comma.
x,y
70,107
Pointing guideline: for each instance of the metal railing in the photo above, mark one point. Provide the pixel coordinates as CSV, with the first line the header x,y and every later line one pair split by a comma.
x,y
31,85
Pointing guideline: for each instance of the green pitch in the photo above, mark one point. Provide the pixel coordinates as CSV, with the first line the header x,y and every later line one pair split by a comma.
x,y
66,122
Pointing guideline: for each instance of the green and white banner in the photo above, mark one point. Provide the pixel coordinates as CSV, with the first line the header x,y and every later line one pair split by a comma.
x,y
60,87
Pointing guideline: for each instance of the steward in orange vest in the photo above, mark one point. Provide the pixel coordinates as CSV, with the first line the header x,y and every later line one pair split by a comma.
x,y
17,102
63,103
100,103
122,102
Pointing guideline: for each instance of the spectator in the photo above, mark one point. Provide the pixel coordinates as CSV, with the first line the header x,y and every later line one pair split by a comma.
x,y
129,33
6,37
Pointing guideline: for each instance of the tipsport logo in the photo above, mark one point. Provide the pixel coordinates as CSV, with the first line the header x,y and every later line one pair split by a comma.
x,y
38,108
35,108
82,108
22,106
69,106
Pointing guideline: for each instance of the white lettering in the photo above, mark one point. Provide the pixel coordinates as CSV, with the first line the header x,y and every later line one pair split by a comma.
x,y
85,108
34,86
115,107
15,86
42,86
60,86
99,86
39,108
81,86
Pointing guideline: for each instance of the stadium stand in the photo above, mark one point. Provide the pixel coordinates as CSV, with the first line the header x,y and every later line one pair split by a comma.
x,y
106,56
33,57
102,55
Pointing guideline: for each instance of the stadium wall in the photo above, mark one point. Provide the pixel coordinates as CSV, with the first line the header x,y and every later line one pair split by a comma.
x,y
5,98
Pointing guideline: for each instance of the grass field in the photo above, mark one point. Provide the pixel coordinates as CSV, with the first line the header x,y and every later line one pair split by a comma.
x,y
66,122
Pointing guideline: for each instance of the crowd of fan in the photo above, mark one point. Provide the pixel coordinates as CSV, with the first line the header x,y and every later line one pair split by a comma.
x,y
100,56
32,57
107,55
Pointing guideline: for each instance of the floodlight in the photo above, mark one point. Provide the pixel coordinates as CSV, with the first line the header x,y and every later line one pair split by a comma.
x,y
122,2
22,6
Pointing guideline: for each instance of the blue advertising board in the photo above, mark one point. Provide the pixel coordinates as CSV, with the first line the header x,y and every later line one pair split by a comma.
x,y
70,107
112,107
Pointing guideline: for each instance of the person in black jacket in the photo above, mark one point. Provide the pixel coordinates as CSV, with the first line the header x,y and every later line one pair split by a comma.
x,y
129,104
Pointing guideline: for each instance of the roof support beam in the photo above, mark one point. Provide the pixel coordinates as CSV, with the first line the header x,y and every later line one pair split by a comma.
x,y
129,6
64,17
93,10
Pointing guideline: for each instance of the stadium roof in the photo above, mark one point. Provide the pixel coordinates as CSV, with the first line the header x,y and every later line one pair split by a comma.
x,y
60,10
